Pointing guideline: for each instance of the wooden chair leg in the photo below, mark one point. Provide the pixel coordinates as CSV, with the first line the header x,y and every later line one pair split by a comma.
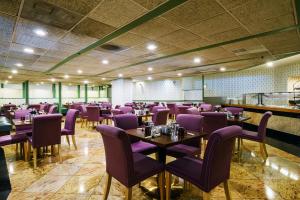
x,y
265,149
206,196
168,185
52,150
227,191
74,141
68,140
34,158
17,150
161,177
240,149
185,185
107,187
129,193
26,151
58,152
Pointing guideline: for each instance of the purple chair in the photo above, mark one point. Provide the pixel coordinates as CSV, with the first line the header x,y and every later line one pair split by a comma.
x,y
46,131
21,113
128,105
258,136
155,108
182,109
93,115
130,121
160,117
191,123
213,121
69,128
45,107
127,167
34,106
234,110
213,170
187,104
52,109
205,107
193,111
126,109
24,128
173,109
83,114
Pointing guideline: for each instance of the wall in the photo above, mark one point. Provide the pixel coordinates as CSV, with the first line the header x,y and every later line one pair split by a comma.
x,y
11,93
122,90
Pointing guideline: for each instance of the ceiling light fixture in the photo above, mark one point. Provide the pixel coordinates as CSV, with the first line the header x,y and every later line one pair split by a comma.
x,y
103,79
42,83
28,50
105,62
222,69
149,78
179,74
85,81
19,65
66,76
40,32
14,71
10,77
120,75
151,47
79,71
197,60
270,64
6,81
52,79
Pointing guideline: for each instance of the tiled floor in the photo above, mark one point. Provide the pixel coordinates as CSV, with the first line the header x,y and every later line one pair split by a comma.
x,y
81,175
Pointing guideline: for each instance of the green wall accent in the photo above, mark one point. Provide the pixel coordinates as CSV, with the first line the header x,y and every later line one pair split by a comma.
x,y
78,91
297,6
203,88
85,93
2,85
163,8
99,91
54,90
281,30
26,89
59,97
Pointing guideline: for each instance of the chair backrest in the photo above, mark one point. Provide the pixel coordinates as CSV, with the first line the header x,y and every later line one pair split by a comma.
x,y
187,104
21,113
206,107
128,104
53,109
213,121
190,122
106,105
182,109
172,107
71,120
262,127
126,109
234,110
155,108
126,121
217,157
46,130
118,153
161,117
193,111
34,106
116,112
93,113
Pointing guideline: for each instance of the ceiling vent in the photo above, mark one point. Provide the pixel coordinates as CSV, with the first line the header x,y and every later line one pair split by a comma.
x,y
250,50
110,48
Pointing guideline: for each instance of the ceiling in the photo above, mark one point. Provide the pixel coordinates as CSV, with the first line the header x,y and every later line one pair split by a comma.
x,y
234,34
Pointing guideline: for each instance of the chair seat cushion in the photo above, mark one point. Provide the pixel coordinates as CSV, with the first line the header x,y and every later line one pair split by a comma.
x,y
188,168
143,147
25,131
144,167
181,150
66,132
12,139
250,135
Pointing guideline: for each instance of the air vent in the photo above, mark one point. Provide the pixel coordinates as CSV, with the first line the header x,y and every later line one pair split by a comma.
x,y
110,47
249,50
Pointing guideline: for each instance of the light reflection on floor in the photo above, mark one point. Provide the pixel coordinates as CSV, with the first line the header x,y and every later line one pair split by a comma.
x,y
82,174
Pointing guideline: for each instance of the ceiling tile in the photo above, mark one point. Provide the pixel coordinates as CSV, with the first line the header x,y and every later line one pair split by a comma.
x,y
229,35
229,4
77,39
10,7
6,27
150,4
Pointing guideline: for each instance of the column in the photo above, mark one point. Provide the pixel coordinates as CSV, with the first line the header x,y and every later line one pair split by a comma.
x,y
78,91
53,90
59,97
26,91
85,93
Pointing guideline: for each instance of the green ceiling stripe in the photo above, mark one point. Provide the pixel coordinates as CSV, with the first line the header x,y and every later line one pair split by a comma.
x,y
141,20
281,30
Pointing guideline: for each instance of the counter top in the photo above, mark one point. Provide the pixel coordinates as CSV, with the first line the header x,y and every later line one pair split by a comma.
x,y
265,108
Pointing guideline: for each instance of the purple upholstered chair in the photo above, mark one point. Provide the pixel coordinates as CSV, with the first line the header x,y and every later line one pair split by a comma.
x,y
44,107
126,167
69,128
34,106
52,109
128,105
213,170
234,110
21,113
130,121
27,128
173,109
93,115
126,109
187,104
193,111
258,136
213,121
161,117
205,107
191,123
155,108
46,131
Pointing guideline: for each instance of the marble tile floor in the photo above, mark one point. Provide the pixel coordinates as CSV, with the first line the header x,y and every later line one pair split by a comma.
x,y
81,175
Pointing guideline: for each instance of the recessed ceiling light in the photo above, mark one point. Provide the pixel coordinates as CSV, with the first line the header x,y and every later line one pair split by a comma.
x,y
105,62
53,79
70,84
42,83
150,69
19,65
85,81
10,77
197,60
270,64
120,75
28,50
151,47
14,71
6,81
103,79
179,74
79,71
66,76
222,69
40,32
37,84
133,80
149,78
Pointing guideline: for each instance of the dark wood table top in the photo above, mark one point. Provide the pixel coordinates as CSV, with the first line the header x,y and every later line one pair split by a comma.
x,y
240,119
162,140
145,115
18,122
